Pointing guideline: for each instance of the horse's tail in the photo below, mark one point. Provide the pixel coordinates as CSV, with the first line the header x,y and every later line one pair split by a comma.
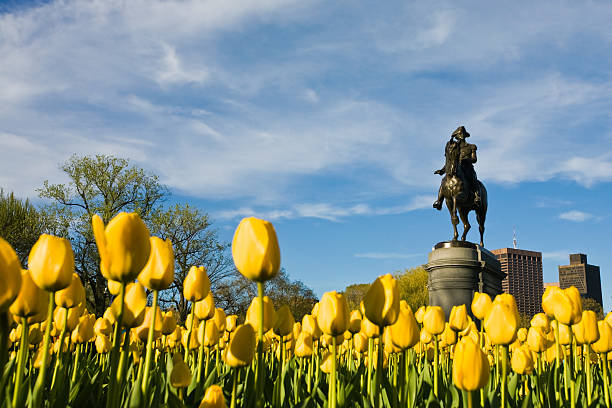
x,y
484,203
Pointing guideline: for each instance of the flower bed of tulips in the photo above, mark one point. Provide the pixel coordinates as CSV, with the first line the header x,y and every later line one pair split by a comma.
x,y
54,353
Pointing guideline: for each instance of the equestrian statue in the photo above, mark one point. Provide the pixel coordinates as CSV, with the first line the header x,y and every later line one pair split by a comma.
x,y
460,188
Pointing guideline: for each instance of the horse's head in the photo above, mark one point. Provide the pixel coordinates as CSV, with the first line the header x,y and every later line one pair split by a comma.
x,y
452,158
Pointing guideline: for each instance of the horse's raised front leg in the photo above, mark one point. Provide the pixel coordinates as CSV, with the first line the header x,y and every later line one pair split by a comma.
x,y
463,213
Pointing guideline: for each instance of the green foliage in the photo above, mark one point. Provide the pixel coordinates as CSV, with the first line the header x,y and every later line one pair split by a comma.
x,y
412,284
592,304
354,294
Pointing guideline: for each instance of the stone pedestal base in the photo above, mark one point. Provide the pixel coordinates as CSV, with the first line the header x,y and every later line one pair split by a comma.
x,y
457,270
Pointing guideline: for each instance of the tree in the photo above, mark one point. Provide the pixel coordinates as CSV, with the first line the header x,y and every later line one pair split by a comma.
x,y
412,285
194,242
103,185
354,294
21,223
235,295
592,304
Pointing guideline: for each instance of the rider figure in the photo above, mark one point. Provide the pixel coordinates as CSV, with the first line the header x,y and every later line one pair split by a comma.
x,y
467,158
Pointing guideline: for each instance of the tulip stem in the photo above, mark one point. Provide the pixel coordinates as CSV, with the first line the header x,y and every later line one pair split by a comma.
x,y
436,362
234,386
114,356
468,397
192,317
504,364
42,373
23,350
572,343
259,368
76,363
370,347
4,337
149,356
604,366
587,361
331,399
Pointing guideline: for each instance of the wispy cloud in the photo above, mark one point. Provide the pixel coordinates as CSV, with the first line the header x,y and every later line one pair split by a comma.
x,y
386,255
559,255
576,216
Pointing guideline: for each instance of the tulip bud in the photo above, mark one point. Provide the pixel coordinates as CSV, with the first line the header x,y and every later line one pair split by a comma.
x,y
103,326
360,341
521,362
114,287
220,319
283,323
434,320
142,331
458,318
84,330
310,325
604,344
158,273
521,334
355,321
564,332
208,333
241,347
255,250
196,285
333,315
541,320
536,339
71,296
71,317
51,263
480,305
252,316
213,398
123,245
502,319
180,376
168,322
404,332
303,345
368,328
35,335
448,337
103,344
326,362
586,330
194,343
419,314
230,323
470,366
10,268
31,300
425,337
205,308
566,304
381,302
134,308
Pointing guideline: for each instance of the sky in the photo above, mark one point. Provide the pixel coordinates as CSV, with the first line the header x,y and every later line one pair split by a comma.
x,y
327,118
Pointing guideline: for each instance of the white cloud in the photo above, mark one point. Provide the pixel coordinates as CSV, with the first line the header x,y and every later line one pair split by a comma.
x,y
172,71
576,216
386,255
561,255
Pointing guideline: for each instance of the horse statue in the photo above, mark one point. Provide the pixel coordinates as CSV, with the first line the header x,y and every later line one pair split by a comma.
x,y
458,198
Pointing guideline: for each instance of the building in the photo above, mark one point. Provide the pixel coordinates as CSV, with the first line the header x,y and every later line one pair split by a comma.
x,y
548,284
523,278
583,276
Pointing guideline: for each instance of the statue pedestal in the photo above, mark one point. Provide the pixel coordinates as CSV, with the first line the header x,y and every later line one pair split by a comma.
x,y
457,270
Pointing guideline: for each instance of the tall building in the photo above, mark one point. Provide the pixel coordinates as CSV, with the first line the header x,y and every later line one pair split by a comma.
x,y
523,278
583,276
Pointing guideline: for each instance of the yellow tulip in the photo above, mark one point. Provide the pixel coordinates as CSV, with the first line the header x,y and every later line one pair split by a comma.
x,y
480,305
84,330
114,287
521,362
360,341
283,323
419,314
381,302
459,318
541,320
11,275
355,321
448,336
31,300
370,329
158,273
103,326
604,344
103,344
135,305
333,315
196,285
521,334
434,320
608,318
564,332
255,249
326,362
72,319
205,308
142,330
194,343
502,319
586,330
51,263
536,339
470,366
548,300
180,376
123,246
241,347
168,322
231,322
425,337
213,398
35,335
565,304
310,325
252,316
220,319
72,295
208,333
303,345
405,332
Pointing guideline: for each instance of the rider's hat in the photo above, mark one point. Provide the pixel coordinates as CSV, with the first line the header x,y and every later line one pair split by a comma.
x,y
460,130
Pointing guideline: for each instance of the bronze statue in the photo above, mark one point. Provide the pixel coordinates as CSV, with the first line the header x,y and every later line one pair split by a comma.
x,y
460,187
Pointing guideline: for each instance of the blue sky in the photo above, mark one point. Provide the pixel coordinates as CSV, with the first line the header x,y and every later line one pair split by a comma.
x,y
327,118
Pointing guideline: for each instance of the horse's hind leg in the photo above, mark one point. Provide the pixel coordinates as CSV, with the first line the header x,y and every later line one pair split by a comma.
x,y
481,215
452,209
463,213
